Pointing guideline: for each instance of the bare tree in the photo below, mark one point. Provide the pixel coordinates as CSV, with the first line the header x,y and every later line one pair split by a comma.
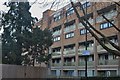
x,y
92,30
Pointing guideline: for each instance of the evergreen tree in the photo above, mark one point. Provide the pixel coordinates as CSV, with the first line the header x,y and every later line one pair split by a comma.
x,y
21,44
38,49
17,22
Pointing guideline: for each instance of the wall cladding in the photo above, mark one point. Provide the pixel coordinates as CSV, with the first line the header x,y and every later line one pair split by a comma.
x,y
15,71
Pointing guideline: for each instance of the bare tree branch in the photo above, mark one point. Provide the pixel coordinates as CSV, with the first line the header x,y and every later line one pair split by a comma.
x,y
111,23
118,10
93,34
34,2
52,4
41,2
117,3
113,44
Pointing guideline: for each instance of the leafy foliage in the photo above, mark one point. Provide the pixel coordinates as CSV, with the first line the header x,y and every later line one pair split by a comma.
x,y
17,22
22,44
39,44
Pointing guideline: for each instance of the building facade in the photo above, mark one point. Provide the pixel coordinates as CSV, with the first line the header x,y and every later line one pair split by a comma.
x,y
70,40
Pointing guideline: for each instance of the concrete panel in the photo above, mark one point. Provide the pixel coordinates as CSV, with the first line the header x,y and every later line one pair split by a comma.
x,y
15,71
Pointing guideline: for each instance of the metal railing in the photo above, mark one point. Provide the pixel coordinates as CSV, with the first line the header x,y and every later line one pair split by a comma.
x,y
57,33
56,64
70,28
56,53
70,51
69,64
83,48
109,62
89,63
100,48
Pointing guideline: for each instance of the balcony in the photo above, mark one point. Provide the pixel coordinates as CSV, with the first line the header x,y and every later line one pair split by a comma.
x,y
89,63
56,64
100,48
108,15
69,28
57,33
83,48
91,21
56,54
109,62
111,14
99,19
80,25
70,51
69,64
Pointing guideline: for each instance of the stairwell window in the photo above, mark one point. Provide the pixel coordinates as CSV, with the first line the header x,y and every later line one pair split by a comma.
x,y
56,39
57,16
85,5
83,31
106,25
69,11
69,35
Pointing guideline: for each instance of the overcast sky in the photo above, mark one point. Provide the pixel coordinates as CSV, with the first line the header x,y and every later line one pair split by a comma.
x,y
37,9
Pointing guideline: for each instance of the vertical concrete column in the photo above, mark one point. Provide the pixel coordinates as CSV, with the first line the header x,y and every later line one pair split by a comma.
x,y
118,34
95,57
62,48
62,60
76,48
50,61
95,42
58,72
76,59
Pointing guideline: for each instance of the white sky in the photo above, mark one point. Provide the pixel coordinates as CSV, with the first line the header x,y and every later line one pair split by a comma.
x,y
37,9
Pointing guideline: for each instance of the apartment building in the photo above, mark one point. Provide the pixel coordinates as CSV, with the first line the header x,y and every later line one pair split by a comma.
x,y
70,40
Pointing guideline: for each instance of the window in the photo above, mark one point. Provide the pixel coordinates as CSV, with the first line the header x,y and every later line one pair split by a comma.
x,y
56,39
85,5
69,11
106,25
57,16
69,35
83,31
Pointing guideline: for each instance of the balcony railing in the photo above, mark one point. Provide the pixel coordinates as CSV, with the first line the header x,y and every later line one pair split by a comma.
x,y
100,48
90,21
69,64
57,33
70,28
99,19
109,62
71,51
80,25
111,14
56,64
56,53
83,48
89,63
